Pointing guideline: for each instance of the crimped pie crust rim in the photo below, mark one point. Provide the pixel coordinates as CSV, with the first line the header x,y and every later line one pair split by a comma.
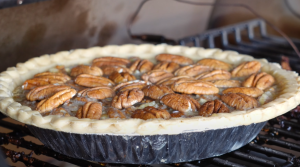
x,y
288,99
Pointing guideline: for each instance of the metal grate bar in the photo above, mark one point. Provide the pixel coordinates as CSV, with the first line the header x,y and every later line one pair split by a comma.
x,y
40,149
254,159
275,141
25,158
271,152
281,132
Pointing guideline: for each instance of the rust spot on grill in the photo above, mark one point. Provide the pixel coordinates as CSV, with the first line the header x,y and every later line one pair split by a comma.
x,y
106,32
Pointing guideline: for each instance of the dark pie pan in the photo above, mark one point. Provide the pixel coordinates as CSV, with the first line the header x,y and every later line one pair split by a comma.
x,y
148,149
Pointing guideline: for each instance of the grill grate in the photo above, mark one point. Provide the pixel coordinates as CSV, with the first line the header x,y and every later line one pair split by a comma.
x,y
277,145
249,37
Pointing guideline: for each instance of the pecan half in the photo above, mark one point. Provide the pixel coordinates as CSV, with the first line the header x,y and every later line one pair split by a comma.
x,y
56,100
108,70
166,66
115,113
141,65
177,114
227,83
239,101
285,63
130,85
121,77
170,81
195,87
127,98
110,61
261,81
246,68
192,70
253,92
156,91
182,103
174,58
156,75
210,107
215,64
92,81
151,113
97,92
59,111
83,69
214,75
53,76
44,92
35,82
92,110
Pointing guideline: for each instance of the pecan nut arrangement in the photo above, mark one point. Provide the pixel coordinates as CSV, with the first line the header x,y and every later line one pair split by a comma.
x,y
175,86
160,87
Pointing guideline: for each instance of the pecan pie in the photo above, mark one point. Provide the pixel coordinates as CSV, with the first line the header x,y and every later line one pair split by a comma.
x,y
151,89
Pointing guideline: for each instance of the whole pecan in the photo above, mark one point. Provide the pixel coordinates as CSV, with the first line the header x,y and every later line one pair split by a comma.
x,y
108,70
174,58
92,81
130,85
170,81
92,110
54,76
56,100
156,75
43,92
151,113
261,81
182,103
121,77
195,87
227,83
253,92
59,111
166,66
239,101
141,65
115,113
97,92
192,70
210,107
214,75
35,82
127,98
246,68
156,91
110,61
83,69
215,64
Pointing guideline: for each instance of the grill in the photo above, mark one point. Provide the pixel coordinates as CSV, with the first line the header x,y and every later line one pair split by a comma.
x,y
277,145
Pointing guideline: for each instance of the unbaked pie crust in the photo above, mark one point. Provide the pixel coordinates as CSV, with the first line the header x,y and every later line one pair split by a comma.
x,y
287,81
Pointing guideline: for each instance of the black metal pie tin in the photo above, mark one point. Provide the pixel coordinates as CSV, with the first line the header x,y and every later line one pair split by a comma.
x,y
148,149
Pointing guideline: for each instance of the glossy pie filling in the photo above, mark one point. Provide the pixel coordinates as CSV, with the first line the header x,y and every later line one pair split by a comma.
x,y
172,86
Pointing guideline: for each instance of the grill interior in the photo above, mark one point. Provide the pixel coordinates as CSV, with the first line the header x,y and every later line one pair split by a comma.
x,y
277,145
